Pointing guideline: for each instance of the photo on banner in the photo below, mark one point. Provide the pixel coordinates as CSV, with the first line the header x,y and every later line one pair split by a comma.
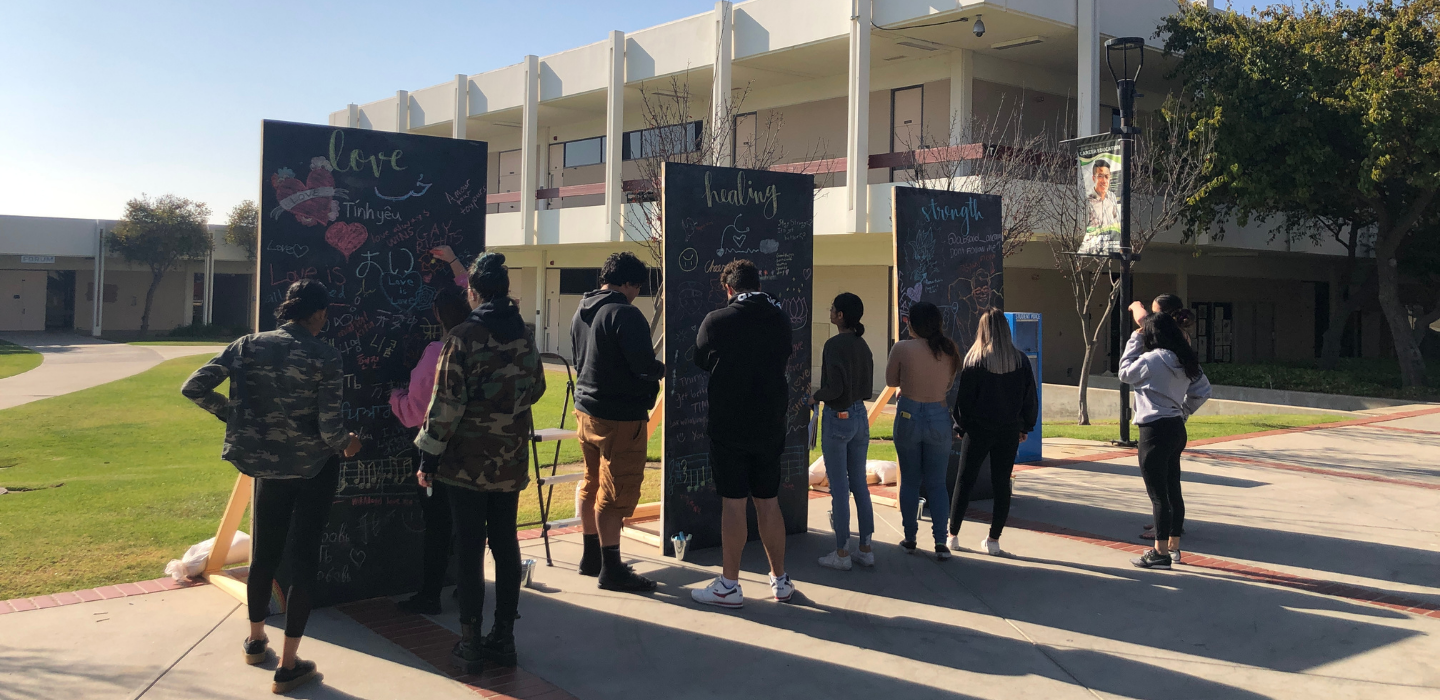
x,y
360,210
714,215
1101,176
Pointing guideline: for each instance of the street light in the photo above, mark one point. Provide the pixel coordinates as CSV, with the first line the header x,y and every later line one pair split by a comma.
x,y
1121,49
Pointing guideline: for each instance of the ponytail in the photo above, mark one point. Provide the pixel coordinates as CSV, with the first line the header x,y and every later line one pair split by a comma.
x,y
925,322
850,308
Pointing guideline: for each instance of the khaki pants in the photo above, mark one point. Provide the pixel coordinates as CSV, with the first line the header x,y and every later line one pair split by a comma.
x,y
614,453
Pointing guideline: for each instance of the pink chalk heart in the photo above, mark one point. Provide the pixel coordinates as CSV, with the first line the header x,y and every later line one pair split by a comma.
x,y
346,238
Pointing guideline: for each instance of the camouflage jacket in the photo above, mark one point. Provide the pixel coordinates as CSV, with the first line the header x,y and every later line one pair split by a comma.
x,y
479,419
282,419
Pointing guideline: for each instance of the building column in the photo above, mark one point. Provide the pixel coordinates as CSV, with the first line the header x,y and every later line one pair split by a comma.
x,y
352,115
857,148
98,311
542,320
1087,104
529,147
722,119
402,111
462,106
1182,286
962,97
614,139
208,308
187,316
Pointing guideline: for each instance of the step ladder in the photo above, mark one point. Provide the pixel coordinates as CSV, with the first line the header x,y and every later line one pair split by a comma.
x,y
545,483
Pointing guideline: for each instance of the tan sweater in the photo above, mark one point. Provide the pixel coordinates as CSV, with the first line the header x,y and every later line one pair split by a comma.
x,y
920,376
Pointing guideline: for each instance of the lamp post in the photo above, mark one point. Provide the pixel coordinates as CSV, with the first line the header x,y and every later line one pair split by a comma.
x,y
1121,50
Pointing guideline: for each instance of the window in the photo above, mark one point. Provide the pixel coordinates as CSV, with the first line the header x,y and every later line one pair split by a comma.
x,y
662,140
585,152
1214,336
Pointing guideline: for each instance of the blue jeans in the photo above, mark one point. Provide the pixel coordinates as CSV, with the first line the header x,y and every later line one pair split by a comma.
x,y
924,433
845,443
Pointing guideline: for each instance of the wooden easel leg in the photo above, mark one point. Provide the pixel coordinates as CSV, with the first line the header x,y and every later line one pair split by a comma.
x,y
880,404
225,534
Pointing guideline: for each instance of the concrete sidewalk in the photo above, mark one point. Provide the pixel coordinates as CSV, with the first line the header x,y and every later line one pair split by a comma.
x,y
73,362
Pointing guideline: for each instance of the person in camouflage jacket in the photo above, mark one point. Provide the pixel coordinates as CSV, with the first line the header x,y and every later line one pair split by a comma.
x,y
475,439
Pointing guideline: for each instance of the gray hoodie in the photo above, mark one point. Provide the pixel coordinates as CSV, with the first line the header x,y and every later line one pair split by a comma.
x,y
1161,388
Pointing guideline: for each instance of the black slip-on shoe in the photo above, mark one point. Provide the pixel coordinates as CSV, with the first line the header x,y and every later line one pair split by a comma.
x,y
288,679
256,651
624,579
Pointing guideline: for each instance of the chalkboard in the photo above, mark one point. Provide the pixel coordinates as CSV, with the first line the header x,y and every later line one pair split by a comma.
x,y
712,216
360,210
948,252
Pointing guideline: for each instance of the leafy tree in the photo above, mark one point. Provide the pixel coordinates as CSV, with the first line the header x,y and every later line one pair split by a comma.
x,y
1322,113
161,233
243,227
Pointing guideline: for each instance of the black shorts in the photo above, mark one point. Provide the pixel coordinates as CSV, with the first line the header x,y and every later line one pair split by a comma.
x,y
746,469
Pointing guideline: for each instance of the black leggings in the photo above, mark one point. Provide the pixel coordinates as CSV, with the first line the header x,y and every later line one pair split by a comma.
x,y
480,516
439,528
1161,442
289,513
1000,448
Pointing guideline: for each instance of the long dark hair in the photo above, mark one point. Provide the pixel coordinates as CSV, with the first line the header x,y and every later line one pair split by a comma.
x,y
489,277
1172,306
850,308
925,323
1161,332
450,307
302,300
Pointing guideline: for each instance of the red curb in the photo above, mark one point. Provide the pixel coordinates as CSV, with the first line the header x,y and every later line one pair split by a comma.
x,y
1406,430
1267,464
66,598
108,592
130,589
5,608
88,595
42,602
150,586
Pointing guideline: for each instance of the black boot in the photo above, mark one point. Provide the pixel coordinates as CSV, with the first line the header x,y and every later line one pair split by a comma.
x,y
467,653
590,560
498,647
616,575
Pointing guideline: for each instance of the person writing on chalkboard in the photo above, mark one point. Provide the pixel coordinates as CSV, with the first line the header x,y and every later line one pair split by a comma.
x,y
283,427
744,346
847,368
923,367
409,405
617,378
474,441
995,409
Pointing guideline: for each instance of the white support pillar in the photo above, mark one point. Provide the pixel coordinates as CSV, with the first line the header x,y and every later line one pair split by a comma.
x,y
1087,102
98,311
352,115
208,309
857,150
722,121
402,111
462,106
542,319
529,150
962,97
542,167
614,139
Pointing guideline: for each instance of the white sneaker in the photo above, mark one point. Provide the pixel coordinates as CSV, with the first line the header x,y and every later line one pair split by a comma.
x,y
863,558
954,543
833,560
992,547
782,588
719,594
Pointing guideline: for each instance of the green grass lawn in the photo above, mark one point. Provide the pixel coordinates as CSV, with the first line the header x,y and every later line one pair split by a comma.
x,y
15,359
1378,378
1198,427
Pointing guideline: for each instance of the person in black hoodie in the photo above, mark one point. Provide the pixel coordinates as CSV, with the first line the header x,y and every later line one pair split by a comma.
x,y
744,347
616,383
995,408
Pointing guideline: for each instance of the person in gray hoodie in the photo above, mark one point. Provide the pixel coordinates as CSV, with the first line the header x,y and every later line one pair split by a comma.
x,y
1164,372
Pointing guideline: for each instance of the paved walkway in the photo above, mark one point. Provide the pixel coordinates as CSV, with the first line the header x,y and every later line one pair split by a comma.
x,y
74,362
1307,578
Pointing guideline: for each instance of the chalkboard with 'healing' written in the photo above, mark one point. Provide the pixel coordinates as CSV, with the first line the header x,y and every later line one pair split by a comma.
x,y
361,210
713,216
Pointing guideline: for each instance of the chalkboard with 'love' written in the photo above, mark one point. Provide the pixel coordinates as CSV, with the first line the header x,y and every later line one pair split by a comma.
x,y
361,210
713,216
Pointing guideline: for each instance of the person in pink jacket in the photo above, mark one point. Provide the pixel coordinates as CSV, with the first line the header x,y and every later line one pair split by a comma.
x,y
410,405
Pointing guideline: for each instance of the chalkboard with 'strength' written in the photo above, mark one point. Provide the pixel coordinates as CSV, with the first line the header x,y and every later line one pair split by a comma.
x,y
713,216
360,210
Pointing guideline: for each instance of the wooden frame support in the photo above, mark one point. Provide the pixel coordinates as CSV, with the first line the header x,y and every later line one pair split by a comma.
x,y
880,403
224,535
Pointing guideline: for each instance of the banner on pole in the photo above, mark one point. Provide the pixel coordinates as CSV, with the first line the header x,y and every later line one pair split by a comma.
x,y
1100,176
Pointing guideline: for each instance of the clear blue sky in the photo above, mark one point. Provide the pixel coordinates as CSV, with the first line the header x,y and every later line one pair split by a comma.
x,y
104,101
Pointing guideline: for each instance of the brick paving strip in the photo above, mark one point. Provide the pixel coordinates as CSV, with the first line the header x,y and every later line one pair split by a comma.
x,y
122,590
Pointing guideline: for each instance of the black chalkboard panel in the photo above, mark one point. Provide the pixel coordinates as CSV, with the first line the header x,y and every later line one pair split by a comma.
x,y
360,210
712,216
947,252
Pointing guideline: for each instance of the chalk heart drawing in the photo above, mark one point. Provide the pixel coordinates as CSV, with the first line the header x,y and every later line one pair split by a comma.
x,y
315,211
689,259
357,556
769,245
346,237
402,289
807,273
739,241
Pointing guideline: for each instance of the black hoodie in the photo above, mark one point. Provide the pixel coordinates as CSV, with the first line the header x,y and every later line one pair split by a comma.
x,y
744,347
617,373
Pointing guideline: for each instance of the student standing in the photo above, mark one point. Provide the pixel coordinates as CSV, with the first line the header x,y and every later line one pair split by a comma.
x,y
475,440
617,379
744,346
282,427
1172,306
923,368
409,404
995,408
1164,372
846,371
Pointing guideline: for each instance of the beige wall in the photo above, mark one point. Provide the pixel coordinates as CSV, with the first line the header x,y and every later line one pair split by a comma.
x,y
869,282
22,300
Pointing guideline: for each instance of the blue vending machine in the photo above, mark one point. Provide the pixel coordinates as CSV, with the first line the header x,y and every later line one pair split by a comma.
x,y
1025,330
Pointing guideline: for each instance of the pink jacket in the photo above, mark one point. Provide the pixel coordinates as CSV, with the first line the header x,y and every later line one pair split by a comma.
x,y
410,404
